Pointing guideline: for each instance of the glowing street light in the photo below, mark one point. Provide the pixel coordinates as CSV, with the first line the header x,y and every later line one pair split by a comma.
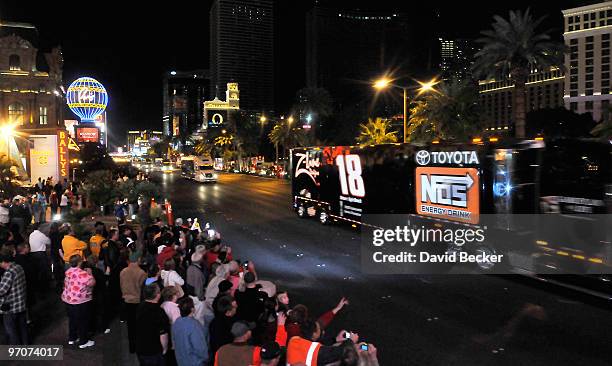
x,y
425,87
290,119
381,83
262,119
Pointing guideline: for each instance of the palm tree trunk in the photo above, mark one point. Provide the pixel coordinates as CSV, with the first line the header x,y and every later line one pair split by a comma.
x,y
519,109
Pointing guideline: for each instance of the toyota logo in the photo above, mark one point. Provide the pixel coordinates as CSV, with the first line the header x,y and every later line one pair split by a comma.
x,y
422,157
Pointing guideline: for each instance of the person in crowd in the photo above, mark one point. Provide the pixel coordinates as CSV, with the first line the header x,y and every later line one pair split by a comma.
x,y
119,212
131,280
13,299
251,301
40,246
36,208
240,352
23,258
300,313
234,276
170,296
225,288
42,199
100,319
189,336
165,249
196,272
4,212
221,325
151,328
221,274
169,274
54,200
71,245
270,354
78,294
64,203
57,258
19,214
305,348
212,255
97,240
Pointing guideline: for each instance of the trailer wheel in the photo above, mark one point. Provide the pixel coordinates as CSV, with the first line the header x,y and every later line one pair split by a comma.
x,y
485,266
301,211
323,217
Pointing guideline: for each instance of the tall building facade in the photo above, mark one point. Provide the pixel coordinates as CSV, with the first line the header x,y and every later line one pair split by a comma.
x,y
345,48
184,93
242,50
31,91
588,30
544,90
456,58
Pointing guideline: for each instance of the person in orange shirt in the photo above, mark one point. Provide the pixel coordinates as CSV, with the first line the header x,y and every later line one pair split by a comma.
x,y
307,350
97,241
71,246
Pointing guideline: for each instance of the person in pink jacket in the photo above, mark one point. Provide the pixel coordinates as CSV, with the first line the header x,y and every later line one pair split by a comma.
x,y
78,293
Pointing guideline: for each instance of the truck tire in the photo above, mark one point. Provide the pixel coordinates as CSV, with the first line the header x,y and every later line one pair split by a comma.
x,y
323,217
301,211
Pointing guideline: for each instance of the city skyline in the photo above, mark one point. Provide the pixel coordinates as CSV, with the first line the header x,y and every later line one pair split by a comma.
x,y
130,56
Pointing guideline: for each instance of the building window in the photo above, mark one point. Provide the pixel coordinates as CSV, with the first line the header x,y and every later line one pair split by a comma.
x,y
588,69
605,67
593,24
588,92
592,16
577,27
574,86
42,116
14,63
609,21
588,84
605,60
609,13
589,54
574,106
605,36
605,52
573,93
589,62
602,14
589,39
588,105
15,112
589,46
570,20
605,44
571,28
605,75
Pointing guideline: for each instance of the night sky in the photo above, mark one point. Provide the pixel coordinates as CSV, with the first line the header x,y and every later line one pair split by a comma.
x,y
129,48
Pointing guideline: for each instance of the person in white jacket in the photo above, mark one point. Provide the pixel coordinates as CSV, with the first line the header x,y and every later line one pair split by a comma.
x,y
170,276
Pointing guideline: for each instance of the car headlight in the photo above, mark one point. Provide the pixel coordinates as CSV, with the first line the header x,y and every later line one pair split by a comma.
x,y
215,176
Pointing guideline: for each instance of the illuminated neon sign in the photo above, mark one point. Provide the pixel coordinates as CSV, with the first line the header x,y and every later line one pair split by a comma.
x,y
87,98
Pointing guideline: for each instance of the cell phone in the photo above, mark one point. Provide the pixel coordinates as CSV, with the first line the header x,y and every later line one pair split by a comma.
x,y
246,264
347,335
364,347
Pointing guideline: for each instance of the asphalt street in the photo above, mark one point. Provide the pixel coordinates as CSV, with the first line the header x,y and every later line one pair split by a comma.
x,y
413,320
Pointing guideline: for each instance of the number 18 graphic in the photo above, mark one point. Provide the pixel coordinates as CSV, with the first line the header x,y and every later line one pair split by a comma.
x,y
349,169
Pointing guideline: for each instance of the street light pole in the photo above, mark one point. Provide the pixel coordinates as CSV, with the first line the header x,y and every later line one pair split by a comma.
x,y
405,113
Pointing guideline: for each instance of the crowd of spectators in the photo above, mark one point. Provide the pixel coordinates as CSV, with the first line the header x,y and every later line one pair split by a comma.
x,y
180,291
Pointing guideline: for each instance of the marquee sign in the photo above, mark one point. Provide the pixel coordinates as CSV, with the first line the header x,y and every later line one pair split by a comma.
x,y
62,150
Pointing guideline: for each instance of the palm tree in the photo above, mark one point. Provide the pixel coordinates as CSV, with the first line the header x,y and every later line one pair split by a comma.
x,y
514,48
203,148
604,128
451,113
376,132
287,136
8,176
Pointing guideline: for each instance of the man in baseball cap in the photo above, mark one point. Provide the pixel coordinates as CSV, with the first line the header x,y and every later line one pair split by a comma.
x,y
270,354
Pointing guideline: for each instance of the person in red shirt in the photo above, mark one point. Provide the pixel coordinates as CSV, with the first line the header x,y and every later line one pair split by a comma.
x,y
299,314
212,255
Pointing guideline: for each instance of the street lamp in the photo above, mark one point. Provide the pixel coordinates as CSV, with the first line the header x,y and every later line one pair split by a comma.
x,y
424,87
290,120
262,119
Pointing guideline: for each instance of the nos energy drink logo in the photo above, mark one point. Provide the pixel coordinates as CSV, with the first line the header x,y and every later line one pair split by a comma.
x,y
448,193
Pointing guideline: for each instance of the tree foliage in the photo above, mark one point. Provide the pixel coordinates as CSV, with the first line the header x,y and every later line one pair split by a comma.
x,y
450,113
512,48
376,132
99,188
287,135
8,176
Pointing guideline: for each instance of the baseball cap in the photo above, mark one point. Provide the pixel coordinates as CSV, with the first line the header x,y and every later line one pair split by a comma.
x,y
240,328
269,351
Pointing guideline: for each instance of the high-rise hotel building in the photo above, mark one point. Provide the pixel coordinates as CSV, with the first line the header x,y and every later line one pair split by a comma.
x,y
587,36
242,50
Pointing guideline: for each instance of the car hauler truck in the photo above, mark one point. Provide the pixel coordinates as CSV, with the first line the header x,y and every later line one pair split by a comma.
x,y
200,169
515,183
